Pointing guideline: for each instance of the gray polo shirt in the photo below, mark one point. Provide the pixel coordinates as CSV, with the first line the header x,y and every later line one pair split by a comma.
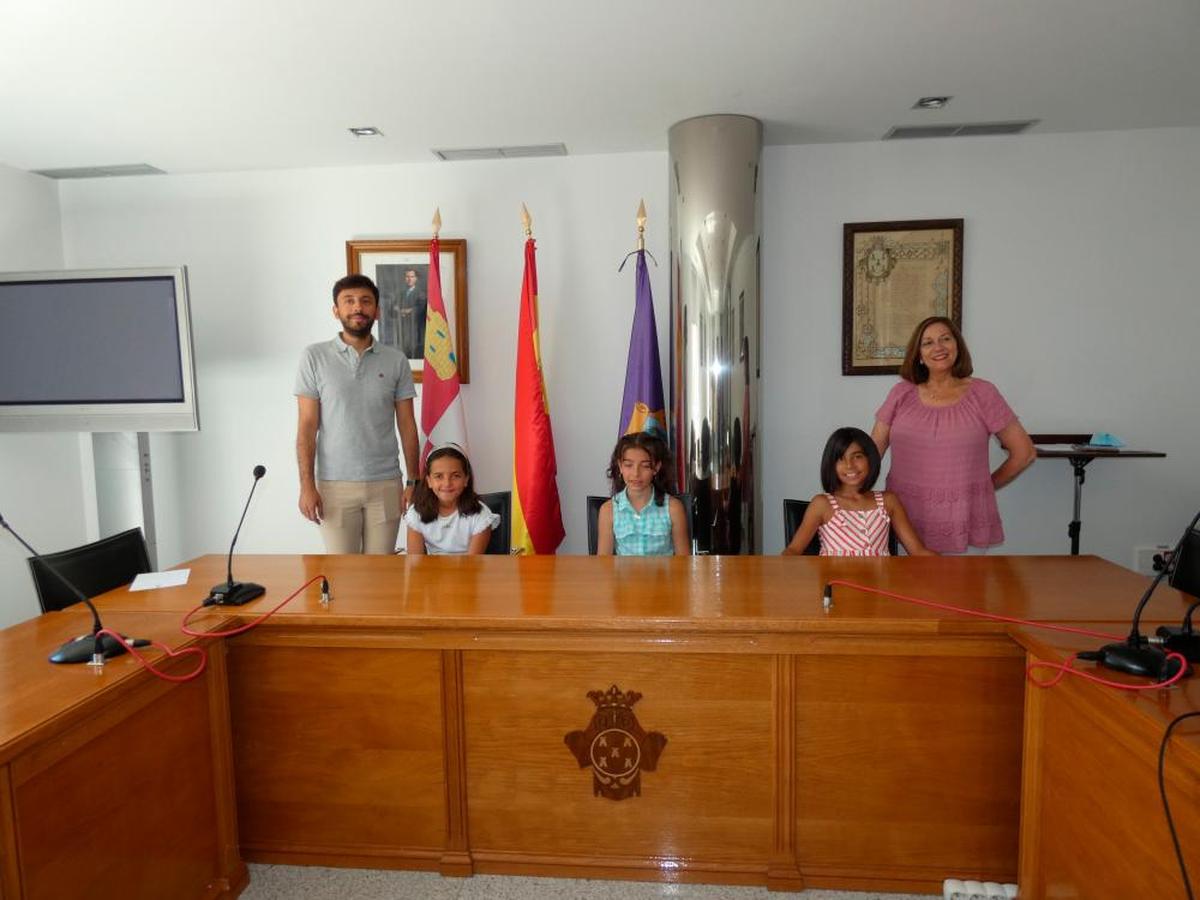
x,y
356,440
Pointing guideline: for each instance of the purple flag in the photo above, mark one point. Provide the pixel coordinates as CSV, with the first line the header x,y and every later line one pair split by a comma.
x,y
642,408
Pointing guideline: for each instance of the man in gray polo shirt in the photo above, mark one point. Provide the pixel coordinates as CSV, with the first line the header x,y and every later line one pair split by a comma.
x,y
353,394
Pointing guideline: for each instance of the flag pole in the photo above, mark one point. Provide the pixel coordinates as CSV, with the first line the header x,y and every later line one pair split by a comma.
x,y
641,237
437,221
527,220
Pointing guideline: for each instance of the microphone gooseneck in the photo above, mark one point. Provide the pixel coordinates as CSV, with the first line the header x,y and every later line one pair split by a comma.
x,y
230,592
1136,656
259,472
91,648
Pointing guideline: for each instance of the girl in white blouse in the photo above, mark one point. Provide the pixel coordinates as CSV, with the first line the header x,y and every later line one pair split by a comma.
x,y
446,515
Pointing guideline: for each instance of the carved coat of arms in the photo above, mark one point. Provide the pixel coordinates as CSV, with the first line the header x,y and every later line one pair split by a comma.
x,y
615,746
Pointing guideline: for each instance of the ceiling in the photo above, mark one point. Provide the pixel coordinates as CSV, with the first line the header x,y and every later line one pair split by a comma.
x,y
253,84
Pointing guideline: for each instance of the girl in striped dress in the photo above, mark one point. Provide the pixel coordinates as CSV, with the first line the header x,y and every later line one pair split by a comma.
x,y
850,518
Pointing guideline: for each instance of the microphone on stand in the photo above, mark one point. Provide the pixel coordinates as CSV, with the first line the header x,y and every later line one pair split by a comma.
x,y
92,648
230,592
1137,655
1185,576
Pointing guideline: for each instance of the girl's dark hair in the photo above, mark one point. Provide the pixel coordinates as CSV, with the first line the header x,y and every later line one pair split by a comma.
x,y
837,445
659,453
425,500
912,369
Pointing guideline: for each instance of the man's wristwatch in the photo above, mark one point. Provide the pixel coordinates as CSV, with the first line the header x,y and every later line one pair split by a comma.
x,y
410,482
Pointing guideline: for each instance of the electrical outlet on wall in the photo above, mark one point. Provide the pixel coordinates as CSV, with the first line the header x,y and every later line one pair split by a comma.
x,y
1150,560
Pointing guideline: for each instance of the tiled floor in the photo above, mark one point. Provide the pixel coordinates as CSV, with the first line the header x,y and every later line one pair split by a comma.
x,y
312,883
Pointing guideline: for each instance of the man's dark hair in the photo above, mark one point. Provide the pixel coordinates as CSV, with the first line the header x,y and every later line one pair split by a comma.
x,y
351,282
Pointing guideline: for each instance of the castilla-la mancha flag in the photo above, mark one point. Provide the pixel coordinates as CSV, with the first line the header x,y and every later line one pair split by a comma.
x,y
442,418
537,517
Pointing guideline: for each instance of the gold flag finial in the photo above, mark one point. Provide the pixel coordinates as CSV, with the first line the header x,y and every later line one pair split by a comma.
x,y
437,221
641,224
527,220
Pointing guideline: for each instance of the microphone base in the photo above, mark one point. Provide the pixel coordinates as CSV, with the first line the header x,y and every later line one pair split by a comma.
x,y
234,593
82,649
1138,659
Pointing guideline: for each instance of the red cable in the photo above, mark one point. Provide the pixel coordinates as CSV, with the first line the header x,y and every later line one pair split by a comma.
x,y
1062,668
982,615
243,628
198,651
167,651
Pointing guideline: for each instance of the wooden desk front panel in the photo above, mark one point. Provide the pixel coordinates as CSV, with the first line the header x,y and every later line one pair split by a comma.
x,y
1093,827
707,807
123,804
339,754
908,768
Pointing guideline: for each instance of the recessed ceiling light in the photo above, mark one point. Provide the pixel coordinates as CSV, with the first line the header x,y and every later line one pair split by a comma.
x,y
931,102
366,131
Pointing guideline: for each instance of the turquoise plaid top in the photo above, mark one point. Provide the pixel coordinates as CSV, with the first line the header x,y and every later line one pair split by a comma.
x,y
645,533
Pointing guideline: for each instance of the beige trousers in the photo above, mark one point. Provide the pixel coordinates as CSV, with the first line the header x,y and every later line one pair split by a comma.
x,y
360,516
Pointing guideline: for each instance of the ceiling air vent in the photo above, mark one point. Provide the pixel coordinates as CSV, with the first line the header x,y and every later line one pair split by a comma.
x,y
101,171
519,152
974,129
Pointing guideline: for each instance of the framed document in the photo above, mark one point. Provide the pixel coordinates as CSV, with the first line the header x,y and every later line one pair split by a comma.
x,y
894,274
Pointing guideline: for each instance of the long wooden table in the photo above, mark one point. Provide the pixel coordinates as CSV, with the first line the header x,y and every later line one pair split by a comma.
x,y
437,714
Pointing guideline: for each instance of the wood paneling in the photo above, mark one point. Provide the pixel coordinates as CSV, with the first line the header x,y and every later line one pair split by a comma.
x,y
338,752
908,767
708,801
1093,826
130,812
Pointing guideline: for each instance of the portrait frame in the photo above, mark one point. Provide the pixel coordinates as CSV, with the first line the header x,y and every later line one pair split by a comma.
x,y
879,314
385,261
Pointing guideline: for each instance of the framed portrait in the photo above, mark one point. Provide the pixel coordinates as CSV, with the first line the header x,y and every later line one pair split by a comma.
x,y
894,274
400,269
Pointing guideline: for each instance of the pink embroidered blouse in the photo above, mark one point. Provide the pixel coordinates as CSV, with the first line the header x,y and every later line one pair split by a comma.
x,y
940,469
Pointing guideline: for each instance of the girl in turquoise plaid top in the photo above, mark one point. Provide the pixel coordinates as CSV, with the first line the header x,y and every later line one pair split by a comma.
x,y
642,518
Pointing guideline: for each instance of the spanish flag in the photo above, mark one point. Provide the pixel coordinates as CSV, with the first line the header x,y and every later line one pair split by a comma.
x,y
537,516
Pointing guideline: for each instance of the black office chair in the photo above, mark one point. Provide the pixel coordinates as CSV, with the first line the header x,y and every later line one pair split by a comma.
x,y
593,518
793,515
93,568
499,502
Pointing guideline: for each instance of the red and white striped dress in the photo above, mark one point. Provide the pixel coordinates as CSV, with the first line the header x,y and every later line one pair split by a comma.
x,y
854,532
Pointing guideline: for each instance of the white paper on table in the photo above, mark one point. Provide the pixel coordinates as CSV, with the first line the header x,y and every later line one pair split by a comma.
x,y
1057,447
149,581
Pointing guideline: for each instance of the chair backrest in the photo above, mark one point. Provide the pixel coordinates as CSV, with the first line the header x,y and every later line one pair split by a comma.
x,y
499,502
93,568
593,518
793,514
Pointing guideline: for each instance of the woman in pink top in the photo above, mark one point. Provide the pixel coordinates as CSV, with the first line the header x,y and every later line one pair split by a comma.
x,y
938,422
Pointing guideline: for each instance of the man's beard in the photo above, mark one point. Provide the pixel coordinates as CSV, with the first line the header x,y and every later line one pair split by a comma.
x,y
358,331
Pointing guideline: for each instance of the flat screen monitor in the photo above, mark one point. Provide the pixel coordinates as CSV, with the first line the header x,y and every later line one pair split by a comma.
x,y
96,350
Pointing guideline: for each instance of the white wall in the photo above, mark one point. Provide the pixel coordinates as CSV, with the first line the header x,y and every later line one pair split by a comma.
x,y
41,477
263,250
1079,303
